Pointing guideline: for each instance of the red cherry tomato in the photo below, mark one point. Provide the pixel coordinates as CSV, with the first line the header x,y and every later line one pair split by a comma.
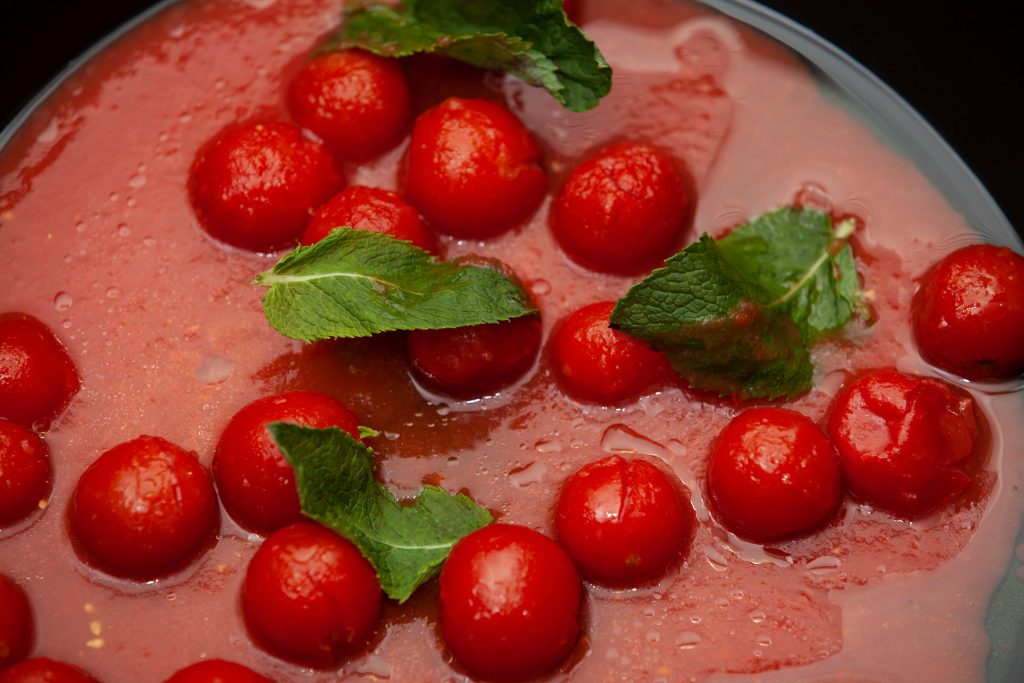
x,y
255,185
143,508
37,378
477,360
24,472
256,483
969,314
773,473
373,209
356,102
596,364
16,624
43,670
903,440
623,210
572,10
309,596
510,602
623,522
473,169
217,671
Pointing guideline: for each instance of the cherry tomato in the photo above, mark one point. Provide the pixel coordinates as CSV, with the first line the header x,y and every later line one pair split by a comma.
x,y
256,483
903,440
356,102
37,378
572,10
309,596
368,208
510,602
16,623
217,671
773,473
43,670
24,472
623,522
255,185
623,210
969,314
596,364
143,508
473,169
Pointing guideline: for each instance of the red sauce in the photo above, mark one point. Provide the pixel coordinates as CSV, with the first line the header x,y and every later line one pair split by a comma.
x,y
165,329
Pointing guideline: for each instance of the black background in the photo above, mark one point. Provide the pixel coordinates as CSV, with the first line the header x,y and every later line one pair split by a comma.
x,y
957,62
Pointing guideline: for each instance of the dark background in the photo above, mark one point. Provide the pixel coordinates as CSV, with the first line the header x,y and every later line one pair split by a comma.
x,y
957,62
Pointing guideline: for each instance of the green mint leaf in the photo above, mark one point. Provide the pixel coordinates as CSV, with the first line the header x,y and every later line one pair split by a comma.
x,y
356,283
405,542
736,316
530,39
367,432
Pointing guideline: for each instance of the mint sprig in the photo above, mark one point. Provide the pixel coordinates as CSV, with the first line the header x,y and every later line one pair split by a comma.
x,y
405,543
736,316
357,283
530,39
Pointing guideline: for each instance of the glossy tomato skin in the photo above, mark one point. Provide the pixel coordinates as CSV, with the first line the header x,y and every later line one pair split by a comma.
x,y
217,671
773,473
572,10
143,508
37,377
356,102
969,313
623,210
473,169
622,521
310,596
17,627
903,440
44,670
25,474
595,364
255,185
255,482
473,361
373,209
509,603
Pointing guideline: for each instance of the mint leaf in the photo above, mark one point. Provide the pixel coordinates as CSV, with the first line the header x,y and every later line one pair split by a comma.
x,y
356,283
367,433
736,316
531,39
405,543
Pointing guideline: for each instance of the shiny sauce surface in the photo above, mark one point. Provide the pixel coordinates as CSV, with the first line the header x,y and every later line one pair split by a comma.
x,y
100,243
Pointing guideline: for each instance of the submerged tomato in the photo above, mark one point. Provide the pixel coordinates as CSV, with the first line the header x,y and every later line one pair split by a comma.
x,y
37,378
373,209
143,508
24,472
310,596
594,363
903,440
217,671
356,102
510,603
256,483
772,473
16,623
473,169
623,210
969,313
623,522
43,670
255,185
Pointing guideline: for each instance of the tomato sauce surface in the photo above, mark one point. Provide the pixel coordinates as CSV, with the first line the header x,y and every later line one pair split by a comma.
x,y
166,331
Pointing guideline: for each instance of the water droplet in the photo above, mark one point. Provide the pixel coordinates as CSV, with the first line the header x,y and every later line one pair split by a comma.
x,y
736,594
62,301
534,473
214,369
687,640
721,601
548,446
813,195
695,619
653,636
452,461
137,180
443,410
540,287
619,438
172,597
177,32
81,226
113,196
823,564
764,640
113,293
758,617
715,558
123,230
149,242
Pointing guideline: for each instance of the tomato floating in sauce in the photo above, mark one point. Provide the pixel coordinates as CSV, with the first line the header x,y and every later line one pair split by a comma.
x,y
165,329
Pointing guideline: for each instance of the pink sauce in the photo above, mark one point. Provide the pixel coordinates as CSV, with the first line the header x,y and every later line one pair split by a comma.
x,y
168,336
